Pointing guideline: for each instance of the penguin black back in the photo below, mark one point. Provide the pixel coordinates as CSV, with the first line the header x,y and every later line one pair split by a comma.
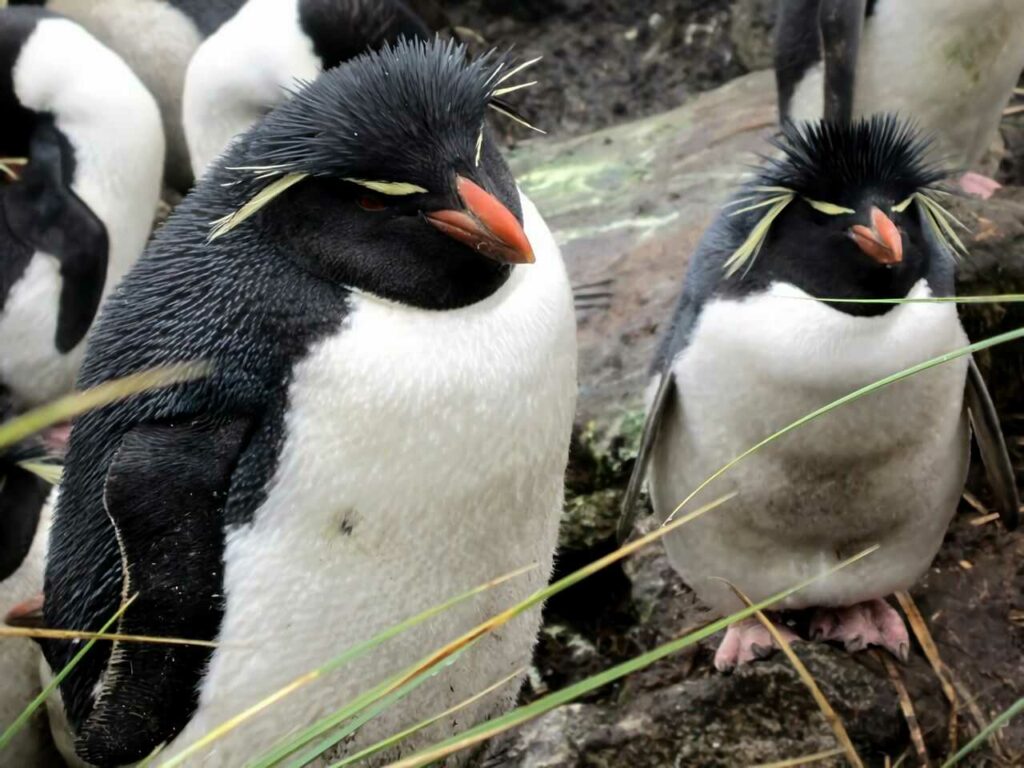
x,y
365,154
343,30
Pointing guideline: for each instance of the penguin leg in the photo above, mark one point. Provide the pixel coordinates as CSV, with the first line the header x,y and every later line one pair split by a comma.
x,y
746,641
976,185
874,622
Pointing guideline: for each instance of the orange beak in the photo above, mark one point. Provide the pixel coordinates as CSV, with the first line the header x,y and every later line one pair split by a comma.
x,y
882,242
486,226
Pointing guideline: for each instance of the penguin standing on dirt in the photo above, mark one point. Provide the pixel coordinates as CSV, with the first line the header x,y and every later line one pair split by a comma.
x,y
81,153
849,211
254,61
391,336
949,66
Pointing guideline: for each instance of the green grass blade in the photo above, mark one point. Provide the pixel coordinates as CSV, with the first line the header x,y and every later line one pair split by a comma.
x,y
67,408
382,690
24,717
337,662
974,744
47,472
521,715
400,737
369,714
995,341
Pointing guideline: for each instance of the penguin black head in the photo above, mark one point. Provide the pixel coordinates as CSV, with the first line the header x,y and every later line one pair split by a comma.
x,y
382,176
849,210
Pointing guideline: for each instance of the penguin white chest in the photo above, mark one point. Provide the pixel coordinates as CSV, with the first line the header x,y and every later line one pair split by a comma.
x,y
887,469
424,456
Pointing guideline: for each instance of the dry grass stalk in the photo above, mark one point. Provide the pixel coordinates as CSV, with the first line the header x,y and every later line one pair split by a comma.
x,y
907,707
931,652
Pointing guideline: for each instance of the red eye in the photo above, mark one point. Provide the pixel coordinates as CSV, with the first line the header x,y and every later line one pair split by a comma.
x,y
371,203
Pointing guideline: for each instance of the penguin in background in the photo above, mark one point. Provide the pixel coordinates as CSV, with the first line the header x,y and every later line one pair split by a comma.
x,y
81,154
850,210
157,39
24,519
253,62
947,65
392,336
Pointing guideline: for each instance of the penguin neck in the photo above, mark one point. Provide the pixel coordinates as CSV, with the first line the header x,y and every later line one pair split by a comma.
x,y
111,123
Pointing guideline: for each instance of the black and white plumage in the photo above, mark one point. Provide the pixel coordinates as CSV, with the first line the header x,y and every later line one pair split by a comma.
x,y
387,423
23,524
849,211
253,62
950,66
80,161
157,39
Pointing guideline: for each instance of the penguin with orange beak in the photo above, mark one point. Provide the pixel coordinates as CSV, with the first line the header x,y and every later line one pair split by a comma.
x,y
782,313
391,338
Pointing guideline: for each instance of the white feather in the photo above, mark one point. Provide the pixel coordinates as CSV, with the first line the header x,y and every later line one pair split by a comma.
x,y
949,65
241,72
424,456
887,469
114,128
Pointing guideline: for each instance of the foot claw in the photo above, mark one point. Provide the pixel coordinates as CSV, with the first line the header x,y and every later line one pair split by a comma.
x,y
747,641
873,623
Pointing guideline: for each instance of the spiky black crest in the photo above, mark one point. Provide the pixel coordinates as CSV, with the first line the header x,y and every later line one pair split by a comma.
x,y
383,114
840,161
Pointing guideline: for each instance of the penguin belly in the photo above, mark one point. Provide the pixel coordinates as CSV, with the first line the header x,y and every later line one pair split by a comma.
x,y
240,73
948,66
31,366
19,662
424,456
887,469
157,41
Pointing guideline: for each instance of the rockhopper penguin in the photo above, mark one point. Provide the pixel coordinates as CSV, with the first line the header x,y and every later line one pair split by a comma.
x,y
948,65
848,211
254,61
81,151
392,339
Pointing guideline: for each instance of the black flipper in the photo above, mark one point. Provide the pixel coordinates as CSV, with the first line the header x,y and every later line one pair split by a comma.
x,y
841,22
165,494
659,408
988,434
43,212
22,496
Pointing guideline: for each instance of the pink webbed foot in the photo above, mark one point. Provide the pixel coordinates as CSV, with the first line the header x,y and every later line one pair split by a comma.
x,y
976,185
747,641
871,623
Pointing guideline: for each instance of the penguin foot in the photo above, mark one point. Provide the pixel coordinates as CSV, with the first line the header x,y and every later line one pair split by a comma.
x,y
746,641
976,185
874,622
